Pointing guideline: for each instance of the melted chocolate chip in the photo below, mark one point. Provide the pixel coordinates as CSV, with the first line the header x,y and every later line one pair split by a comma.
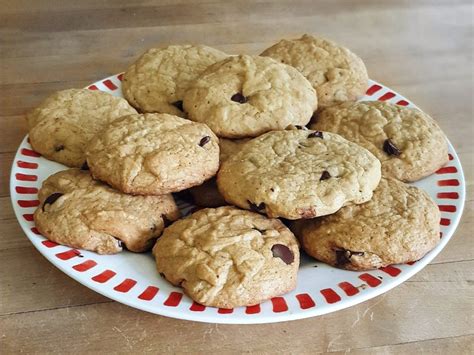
x,y
257,208
390,148
241,99
343,256
284,253
85,166
316,134
51,199
325,175
58,148
178,104
204,140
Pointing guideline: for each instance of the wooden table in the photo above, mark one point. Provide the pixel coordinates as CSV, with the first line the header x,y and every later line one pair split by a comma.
x,y
422,49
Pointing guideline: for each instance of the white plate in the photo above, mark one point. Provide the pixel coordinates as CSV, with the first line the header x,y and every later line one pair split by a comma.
x,y
132,279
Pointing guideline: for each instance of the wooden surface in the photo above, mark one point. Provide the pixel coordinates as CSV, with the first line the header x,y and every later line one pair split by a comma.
x,y
422,49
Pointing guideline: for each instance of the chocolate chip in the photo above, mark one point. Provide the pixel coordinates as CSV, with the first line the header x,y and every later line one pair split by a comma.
x,y
325,175
390,148
204,140
316,134
343,256
241,99
257,208
85,166
284,253
178,104
51,199
58,148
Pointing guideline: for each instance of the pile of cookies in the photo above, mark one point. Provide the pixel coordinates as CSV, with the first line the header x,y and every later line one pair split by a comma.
x,y
273,146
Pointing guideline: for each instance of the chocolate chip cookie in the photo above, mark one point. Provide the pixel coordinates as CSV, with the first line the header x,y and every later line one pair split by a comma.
x,y
245,96
62,125
298,174
407,141
398,225
227,257
80,212
153,154
335,72
156,82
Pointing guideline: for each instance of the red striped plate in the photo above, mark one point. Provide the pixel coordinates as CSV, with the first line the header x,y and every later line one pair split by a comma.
x,y
132,279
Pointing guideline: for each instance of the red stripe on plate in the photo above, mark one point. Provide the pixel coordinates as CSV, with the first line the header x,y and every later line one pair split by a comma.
x,y
30,153
391,270
125,286
120,77
225,310
370,280
445,221
252,309
26,165
448,195
86,265
447,208
447,170
26,190
93,87
149,293
28,217
109,84
104,276
35,230
28,203
279,304
450,156
330,295
373,89
49,244
450,182
386,96
26,177
305,301
66,255
196,307
348,288
173,299
403,103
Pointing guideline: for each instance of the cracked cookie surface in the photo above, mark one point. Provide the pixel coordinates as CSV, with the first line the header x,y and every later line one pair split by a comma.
x,y
227,257
62,125
245,96
156,82
408,142
153,154
80,212
398,225
298,174
334,71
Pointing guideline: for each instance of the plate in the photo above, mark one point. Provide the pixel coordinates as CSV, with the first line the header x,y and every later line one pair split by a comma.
x,y
133,280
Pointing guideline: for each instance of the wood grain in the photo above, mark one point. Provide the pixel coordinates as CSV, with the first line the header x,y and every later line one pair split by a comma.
x,y
421,49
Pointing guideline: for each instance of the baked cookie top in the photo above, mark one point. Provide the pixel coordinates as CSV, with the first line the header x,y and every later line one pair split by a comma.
x,y
298,174
153,154
156,82
227,257
229,147
398,225
62,125
245,96
334,71
80,212
407,141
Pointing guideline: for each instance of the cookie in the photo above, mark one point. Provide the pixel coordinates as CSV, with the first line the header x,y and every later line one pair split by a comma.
x,y
407,141
245,96
153,154
335,72
227,257
298,174
62,125
399,224
80,212
156,82
207,194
